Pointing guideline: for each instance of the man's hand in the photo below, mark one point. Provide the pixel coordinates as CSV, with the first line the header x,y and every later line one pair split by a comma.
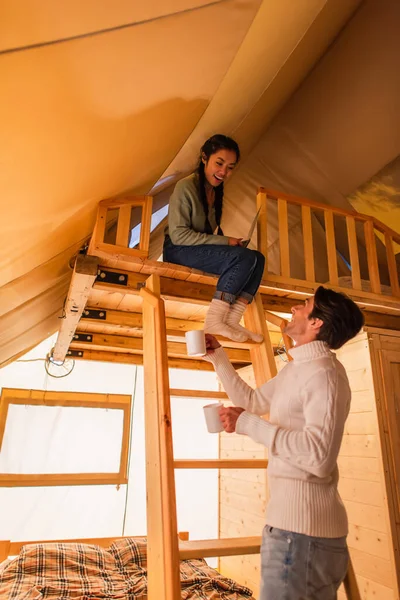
x,y
229,417
211,343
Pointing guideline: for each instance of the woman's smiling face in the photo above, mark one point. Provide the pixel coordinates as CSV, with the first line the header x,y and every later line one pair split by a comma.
x,y
219,166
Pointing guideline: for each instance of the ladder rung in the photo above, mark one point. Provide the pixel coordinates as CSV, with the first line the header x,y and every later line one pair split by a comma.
x,y
221,463
222,547
198,394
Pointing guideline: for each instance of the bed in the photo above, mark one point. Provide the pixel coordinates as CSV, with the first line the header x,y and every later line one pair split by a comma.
x,y
78,571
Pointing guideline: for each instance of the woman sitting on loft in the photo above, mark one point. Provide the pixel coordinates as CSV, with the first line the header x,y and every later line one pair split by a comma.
x,y
195,211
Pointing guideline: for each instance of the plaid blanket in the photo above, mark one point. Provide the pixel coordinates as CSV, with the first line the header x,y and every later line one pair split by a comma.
x,y
83,572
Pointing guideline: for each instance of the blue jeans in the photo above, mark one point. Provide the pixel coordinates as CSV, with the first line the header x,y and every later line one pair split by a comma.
x,y
240,269
299,567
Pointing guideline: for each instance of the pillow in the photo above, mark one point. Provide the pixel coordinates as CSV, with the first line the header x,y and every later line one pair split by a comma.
x,y
129,553
68,570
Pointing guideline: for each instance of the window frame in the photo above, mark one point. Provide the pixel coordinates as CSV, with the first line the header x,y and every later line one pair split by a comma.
x,y
122,402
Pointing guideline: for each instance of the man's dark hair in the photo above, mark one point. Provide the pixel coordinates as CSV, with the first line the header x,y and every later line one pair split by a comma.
x,y
342,319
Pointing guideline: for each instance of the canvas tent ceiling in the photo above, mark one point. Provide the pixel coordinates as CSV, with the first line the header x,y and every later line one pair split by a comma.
x,y
114,98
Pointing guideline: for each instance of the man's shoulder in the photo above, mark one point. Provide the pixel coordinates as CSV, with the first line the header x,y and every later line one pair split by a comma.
x,y
327,364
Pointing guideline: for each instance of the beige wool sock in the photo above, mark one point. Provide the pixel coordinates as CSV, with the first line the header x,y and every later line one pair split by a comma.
x,y
215,322
233,319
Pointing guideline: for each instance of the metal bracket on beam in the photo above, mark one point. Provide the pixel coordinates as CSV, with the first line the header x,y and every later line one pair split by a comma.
x,y
140,285
94,313
112,277
82,337
75,353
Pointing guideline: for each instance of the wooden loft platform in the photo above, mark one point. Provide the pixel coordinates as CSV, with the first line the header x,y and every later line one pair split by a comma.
x,y
124,308
103,311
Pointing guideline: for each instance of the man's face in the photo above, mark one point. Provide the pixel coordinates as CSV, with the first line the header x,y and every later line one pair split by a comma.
x,y
300,325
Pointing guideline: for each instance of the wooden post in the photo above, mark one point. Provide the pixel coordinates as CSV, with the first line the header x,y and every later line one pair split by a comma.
x,y
262,240
4,550
288,342
162,534
373,267
284,237
146,224
350,584
262,355
83,278
353,249
331,247
123,225
308,243
392,265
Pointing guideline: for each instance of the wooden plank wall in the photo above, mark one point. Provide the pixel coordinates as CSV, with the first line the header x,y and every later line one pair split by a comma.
x,y
361,482
243,494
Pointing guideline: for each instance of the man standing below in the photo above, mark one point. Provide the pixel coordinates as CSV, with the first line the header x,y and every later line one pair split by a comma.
x,y
304,553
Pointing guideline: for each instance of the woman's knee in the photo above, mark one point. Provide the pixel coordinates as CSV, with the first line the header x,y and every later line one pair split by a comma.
x,y
260,258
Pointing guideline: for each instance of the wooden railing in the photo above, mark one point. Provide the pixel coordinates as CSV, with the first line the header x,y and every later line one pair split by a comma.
x,y
308,209
119,212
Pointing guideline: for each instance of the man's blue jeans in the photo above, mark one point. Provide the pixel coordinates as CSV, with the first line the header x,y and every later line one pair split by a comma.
x,y
300,567
240,269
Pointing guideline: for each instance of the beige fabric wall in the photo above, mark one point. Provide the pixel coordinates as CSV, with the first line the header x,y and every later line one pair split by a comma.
x,y
100,101
338,130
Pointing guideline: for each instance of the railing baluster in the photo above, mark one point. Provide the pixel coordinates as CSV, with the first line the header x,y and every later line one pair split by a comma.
x,y
283,237
123,226
262,241
100,228
353,249
146,224
372,258
308,243
392,265
331,247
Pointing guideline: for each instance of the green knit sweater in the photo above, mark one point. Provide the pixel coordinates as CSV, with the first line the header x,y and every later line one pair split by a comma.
x,y
186,219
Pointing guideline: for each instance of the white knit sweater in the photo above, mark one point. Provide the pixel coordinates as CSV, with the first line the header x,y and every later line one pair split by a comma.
x,y
308,403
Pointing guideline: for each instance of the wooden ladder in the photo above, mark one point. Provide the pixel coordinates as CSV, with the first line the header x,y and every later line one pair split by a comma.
x,y
164,548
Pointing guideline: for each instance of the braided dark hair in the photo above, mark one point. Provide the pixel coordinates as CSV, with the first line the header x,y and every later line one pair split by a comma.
x,y
211,146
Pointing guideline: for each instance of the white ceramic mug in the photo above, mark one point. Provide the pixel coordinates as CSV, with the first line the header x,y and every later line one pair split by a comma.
x,y
195,342
213,421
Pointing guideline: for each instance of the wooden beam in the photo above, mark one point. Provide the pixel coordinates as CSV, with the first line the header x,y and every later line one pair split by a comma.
x,y
135,345
262,356
8,548
221,547
221,463
83,277
201,293
162,532
198,394
60,479
137,359
176,328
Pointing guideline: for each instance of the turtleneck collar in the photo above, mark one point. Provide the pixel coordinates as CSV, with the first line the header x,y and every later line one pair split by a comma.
x,y
314,349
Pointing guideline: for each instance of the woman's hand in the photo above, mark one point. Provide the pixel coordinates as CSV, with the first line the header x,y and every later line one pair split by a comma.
x,y
235,241
211,343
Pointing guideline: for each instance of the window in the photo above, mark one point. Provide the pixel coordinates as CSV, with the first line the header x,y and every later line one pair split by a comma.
x,y
63,438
